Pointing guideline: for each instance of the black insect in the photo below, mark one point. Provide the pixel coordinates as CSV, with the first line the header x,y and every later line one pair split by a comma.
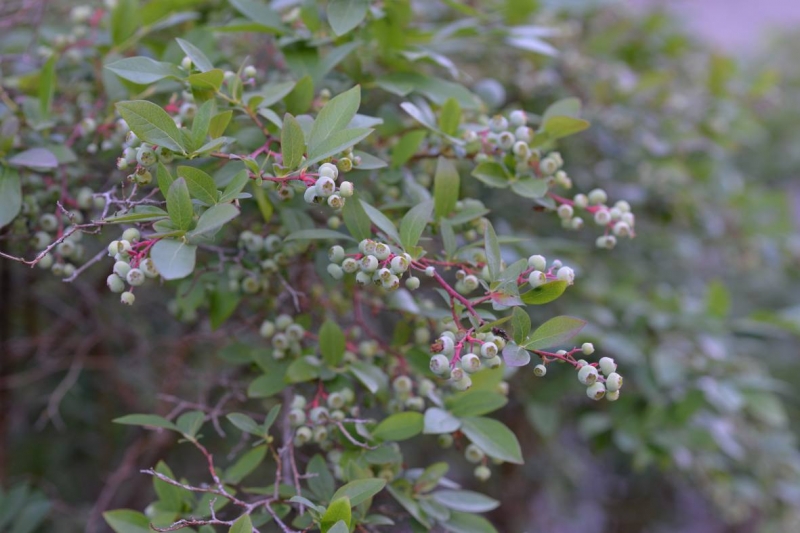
x,y
500,333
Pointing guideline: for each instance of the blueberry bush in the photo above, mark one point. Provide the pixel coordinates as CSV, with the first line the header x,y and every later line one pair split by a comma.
x,y
338,266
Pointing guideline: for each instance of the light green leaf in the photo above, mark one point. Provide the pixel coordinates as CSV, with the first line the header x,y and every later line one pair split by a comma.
x,y
10,195
530,187
244,422
190,422
164,179
566,107
335,143
170,497
450,118
380,220
356,219
344,15
219,123
293,143
301,370
399,426
360,490
146,420
214,218
201,185
47,85
125,20
173,259
718,299
446,185
404,498
246,464
140,213
260,13
335,116
179,205
493,259
199,59
406,147
338,510
300,98
468,523
317,234
558,127
235,186
331,343
475,402
545,293
420,116
555,332
492,174
322,483
465,500
143,70
438,421
373,378
35,158
520,324
243,524
151,124
413,224
207,82
515,355
127,521
493,437
340,527
202,122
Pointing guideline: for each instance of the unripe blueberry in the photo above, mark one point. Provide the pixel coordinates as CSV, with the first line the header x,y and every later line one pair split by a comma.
x,y
628,218
430,271
471,283
369,263
335,400
596,391
328,170
498,123
581,200
518,118
346,189
448,345
566,274
482,473
135,277
506,140
602,217
349,265
345,164
337,415
473,454
382,251
615,213
295,332
463,383
250,285
537,262
415,403
494,362
310,196
588,349
273,243
445,440
622,229
548,166
612,396
412,283
597,197
470,363
299,402
613,382
399,264
335,201
267,329
334,222
439,364
66,248
565,211
606,241
325,186
537,278
249,71
122,164
127,298
521,150
302,435
488,350
131,235
48,222
121,269
539,371
363,279
576,223
336,254
145,156
47,261
318,415
392,283
402,384
297,417
587,374
186,63
335,271
115,283
148,266
280,341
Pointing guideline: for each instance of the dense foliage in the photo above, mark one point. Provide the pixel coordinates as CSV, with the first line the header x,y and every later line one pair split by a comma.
x,y
342,229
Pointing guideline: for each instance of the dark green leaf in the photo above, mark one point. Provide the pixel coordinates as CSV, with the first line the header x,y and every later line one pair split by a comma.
x,y
151,124
344,15
244,422
235,186
399,426
492,247
356,219
243,524
380,220
10,195
190,422
179,204
164,179
146,420
214,218
200,184
406,147
260,13
336,142
322,484
492,174
127,521
360,490
446,185
293,143
520,324
246,464
219,124
475,402
413,224
47,85
199,59
335,116
468,523
331,343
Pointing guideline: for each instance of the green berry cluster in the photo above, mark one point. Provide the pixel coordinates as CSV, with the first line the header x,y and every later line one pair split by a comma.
x,y
325,188
375,263
129,266
599,384
285,335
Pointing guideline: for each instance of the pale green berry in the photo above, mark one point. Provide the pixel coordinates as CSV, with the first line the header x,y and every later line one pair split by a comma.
x,y
473,454
548,166
430,271
121,269
369,263
328,170
506,140
498,123
250,285
335,271
587,375
445,440
402,384
518,118
415,403
449,334
297,417
602,217
537,278
426,387
127,298
581,201
439,364
565,211
146,156
399,264
148,266
482,473
280,341
596,391
115,283
335,400
539,371
622,229
325,186
267,329
346,189
334,222
494,362
384,274
318,415
613,382
310,196
46,261
607,365
488,350
66,248
576,223
471,283
588,349
382,251
448,345
412,283
392,283
368,247
299,402
537,262
48,222
135,277
249,71
336,254
295,332
335,201
612,396
606,241
462,384
566,274
283,321
337,415
628,218
470,363
345,164
186,63
363,279
302,435
615,213
597,197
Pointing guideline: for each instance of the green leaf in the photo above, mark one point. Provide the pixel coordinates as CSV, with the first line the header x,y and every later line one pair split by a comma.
x,y
214,218
331,343
219,124
420,116
143,70
356,219
475,402
448,238
558,127
244,422
260,13
492,174
515,355
465,500
243,524
173,259
545,293
493,437
300,98
125,20
151,124
399,426
246,464
493,259
190,422
268,384
530,187
404,498
35,158
468,523
235,186
373,378
164,179
301,370
322,484
566,107
146,420
337,142
47,85
317,234
201,123
127,521
335,116
201,185
718,299
380,220
179,205
293,143
207,83
450,118
170,497
413,224
555,332
338,510
199,59
446,185
140,213
360,490
344,15
520,324
437,421
271,417
406,147
340,527
10,195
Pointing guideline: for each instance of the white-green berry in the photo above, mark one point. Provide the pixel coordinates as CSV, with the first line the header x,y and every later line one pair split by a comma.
x,y
587,375
412,283
335,201
470,363
537,262
448,345
596,391
602,217
482,473
566,274
115,283
430,271
329,170
335,271
121,268
267,329
295,332
565,211
127,298
382,251
612,396
402,384
613,382
336,254
131,235
399,264
135,277
249,71
439,364
539,371
488,350
369,263
349,265
607,365
346,189
587,348
537,278
325,186
473,454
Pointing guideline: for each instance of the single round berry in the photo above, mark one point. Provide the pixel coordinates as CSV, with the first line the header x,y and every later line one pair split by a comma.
x,y
336,254
391,284
346,189
430,271
249,71
587,375
302,435
345,164
295,332
581,201
566,274
280,341
412,283
335,271
470,283
607,365
131,235
121,269
48,222
310,196
148,266
127,298
488,349
597,197
473,454
382,251
325,186
596,391
369,263
470,363
402,384
445,440
186,63
335,201
439,364
349,265
399,264
482,473
612,396
297,417
518,118
613,382
115,283
335,400
463,383
537,278
267,329
539,371
318,415
328,170
448,345
587,348
565,211
363,278
135,277
146,156
537,262
494,362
